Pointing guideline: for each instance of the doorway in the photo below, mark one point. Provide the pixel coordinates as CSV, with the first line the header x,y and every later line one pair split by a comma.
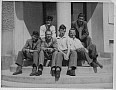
x,y
76,8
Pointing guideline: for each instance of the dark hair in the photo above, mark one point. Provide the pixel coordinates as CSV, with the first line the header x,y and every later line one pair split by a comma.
x,y
35,33
72,29
48,31
49,18
81,15
62,26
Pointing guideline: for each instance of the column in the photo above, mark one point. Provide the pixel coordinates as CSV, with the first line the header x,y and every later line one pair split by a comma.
x,y
64,15
19,27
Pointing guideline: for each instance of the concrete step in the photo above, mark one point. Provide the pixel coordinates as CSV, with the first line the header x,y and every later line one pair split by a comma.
x,y
55,85
101,60
104,61
80,69
80,78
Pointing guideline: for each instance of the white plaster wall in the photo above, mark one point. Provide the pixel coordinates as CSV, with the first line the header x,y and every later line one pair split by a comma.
x,y
95,24
108,29
19,31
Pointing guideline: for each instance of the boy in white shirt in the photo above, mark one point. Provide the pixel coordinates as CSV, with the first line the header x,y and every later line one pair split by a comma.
x,y
64,52
48,26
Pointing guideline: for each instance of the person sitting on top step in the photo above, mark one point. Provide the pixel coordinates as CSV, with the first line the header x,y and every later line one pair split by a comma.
x,y
48,26
82,34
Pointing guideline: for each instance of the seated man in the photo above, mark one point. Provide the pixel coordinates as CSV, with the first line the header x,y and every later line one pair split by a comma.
x,y
77,45
64,52
83,35
47,26
48,49
30,51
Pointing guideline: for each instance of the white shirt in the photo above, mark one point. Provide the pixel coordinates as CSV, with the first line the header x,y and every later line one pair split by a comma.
x,y
75,43
43,30
62,42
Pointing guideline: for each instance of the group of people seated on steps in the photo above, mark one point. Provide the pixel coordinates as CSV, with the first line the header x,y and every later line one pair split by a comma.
x,y
77,44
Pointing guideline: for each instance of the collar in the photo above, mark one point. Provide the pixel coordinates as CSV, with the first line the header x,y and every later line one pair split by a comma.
x,y
61,37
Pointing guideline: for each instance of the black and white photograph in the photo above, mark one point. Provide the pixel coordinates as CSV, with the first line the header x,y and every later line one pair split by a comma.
x,y
57,44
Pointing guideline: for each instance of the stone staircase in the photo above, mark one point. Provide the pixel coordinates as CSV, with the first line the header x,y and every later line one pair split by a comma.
x,y
85,77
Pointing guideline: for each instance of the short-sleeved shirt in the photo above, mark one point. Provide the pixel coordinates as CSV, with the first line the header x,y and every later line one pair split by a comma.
x,y
62,42
43,30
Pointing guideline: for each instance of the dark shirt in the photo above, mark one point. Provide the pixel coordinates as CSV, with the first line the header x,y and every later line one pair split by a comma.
x,y
78,28
51,44
32,45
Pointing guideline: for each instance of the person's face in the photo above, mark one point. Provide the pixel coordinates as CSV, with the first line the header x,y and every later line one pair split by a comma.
x,y
62,32
34,38
72,33
48,35
48,22
81,19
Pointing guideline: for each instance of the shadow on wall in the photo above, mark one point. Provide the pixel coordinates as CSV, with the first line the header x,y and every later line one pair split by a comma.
x,y
87,8
93,6
31,13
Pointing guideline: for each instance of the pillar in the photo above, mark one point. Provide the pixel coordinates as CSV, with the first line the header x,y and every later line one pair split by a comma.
x,y
64,15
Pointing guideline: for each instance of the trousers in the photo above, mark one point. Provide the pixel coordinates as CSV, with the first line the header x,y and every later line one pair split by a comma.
x,y
72,59
24,55
43,55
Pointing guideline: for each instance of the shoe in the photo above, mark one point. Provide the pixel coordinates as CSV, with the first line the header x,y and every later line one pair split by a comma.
x,y
95,69
68,72
53,72
18,70
72,73
94,65
101,66
39,73
57,75
33,71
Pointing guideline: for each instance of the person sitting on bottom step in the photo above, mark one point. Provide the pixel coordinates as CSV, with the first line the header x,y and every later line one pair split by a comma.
x,y
77,46
66,53
30,51
48,49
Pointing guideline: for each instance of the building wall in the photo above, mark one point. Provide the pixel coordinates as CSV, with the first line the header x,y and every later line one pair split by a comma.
x,y
108,26
77,8
95,24
7,42
28,18
50,10
7,28
101,25
19,20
